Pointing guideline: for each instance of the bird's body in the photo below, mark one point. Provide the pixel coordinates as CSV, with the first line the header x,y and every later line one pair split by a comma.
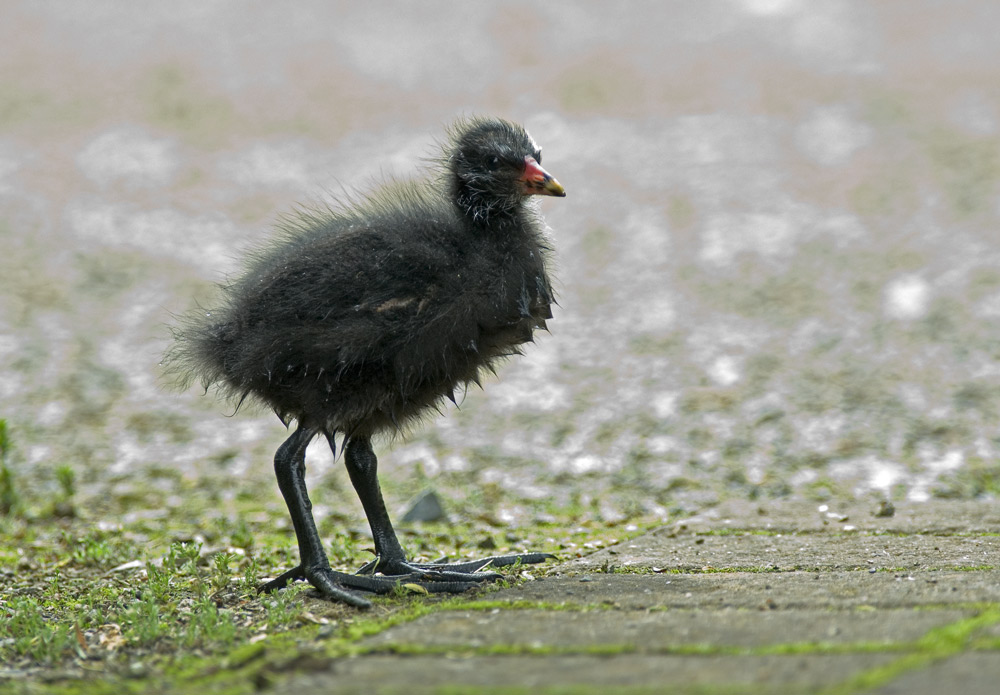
x,y
358,321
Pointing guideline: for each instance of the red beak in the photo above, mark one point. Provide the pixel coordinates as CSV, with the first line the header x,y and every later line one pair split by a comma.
x,y
537,181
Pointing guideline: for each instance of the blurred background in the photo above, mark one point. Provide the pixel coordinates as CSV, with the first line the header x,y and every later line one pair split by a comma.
x,y
778,264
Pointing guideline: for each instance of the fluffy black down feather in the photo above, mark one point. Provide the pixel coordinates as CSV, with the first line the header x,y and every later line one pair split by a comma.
x,y
357,320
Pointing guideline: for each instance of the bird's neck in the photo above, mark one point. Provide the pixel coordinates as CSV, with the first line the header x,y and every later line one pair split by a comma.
x,y
489,212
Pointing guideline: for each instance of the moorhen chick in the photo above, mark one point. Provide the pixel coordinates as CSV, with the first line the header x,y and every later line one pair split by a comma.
x,y
360,320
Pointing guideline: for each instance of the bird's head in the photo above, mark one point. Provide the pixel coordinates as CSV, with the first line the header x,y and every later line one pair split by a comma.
x,y
493,165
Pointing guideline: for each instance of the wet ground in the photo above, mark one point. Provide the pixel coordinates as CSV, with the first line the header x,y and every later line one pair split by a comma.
x,y
776,264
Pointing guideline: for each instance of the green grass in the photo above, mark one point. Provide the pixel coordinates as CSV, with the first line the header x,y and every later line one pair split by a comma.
x,y
10,496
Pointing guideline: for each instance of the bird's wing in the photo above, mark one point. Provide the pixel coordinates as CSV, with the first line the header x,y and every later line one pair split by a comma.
x,y
404,301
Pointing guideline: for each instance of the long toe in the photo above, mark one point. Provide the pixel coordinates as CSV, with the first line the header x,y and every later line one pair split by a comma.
x,y
401,571
497,561
447,574
282,581
331,585
431,582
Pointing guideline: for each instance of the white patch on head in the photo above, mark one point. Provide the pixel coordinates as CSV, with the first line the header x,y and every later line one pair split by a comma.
x,y
534,145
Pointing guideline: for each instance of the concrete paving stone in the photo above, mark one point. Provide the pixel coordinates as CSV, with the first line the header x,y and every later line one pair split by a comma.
x,y
971,672
389,674
931,517
992,632
663,611
664,630
667,549
767,590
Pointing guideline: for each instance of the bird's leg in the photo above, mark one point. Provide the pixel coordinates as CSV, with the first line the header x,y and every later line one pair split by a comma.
x,y
290,466
362,466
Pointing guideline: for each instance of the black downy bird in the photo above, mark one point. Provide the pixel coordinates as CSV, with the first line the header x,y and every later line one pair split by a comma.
x,y
358,321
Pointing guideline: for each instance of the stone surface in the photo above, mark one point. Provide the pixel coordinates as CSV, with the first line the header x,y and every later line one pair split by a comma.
x,y
832,551
426,507
796,516
661,631
778,674
977,672
786,589
774,631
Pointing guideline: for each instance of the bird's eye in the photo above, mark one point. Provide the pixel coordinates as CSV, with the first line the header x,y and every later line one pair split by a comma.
x,y
493,163
538,156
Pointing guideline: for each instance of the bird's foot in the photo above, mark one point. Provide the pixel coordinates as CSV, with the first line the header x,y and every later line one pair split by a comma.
x,y
434,578
325,580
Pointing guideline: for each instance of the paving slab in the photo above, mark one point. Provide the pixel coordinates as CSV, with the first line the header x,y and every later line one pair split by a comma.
x,y
764,590
743,598
386,674
938,517
662,630
974,672
665,549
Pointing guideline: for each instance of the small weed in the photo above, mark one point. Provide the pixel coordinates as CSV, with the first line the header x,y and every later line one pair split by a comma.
x,y
241,536
143,622
282,606
251,577
30,632
91,551
97,548
221,570
63,505
158,581
403,590
10,498
66,477
182,558
208,624
343,548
